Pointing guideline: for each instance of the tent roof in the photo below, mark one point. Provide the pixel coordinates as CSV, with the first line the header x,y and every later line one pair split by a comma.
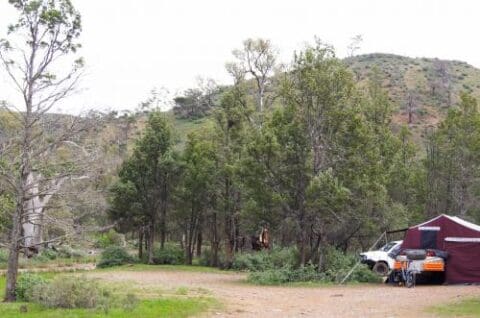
x,y
455,219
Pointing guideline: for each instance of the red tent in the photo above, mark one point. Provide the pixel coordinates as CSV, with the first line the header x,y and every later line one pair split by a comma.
x,y
461,239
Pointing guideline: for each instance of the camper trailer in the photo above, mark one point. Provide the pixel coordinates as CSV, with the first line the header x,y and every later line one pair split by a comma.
x,y
444,247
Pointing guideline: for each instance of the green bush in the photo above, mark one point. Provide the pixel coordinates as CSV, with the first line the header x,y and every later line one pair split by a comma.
x,y
363,274
49,254
25,285
170,254
286,275
109,239
114,256
338,264
68,252
254,262
3,255
266,259
266,271
207,256
75,292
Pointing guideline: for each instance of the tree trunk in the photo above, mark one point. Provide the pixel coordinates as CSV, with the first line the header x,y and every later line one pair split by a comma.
x,y
189,245
140,243
229,226
301,248
32,226
188,250
32,223
302,240
32,219
215,242
199,242
23,185
151,239
15,239
163,226
321,250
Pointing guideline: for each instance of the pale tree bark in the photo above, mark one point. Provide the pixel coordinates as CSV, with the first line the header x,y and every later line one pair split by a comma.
x,y
33,222
257,58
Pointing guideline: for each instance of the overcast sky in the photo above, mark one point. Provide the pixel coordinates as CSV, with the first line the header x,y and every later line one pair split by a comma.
x,y
131,46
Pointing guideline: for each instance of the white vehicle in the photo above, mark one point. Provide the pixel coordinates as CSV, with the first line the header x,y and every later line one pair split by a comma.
x,y
382,261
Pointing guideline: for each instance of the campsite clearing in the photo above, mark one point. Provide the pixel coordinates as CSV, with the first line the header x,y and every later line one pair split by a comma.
x,y
245,300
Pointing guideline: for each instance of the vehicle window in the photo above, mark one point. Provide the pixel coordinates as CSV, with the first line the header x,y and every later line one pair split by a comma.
x,y
394,252
388,246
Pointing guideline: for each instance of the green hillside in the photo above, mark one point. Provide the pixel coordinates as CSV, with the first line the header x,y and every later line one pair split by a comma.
x,y
429,84
435,85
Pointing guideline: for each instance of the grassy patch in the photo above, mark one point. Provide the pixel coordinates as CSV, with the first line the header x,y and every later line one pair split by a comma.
x,y
146,309
59,262
3,282
152,304
462,308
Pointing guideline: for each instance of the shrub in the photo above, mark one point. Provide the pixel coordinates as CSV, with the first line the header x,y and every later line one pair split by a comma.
x,y
109,239
3,255
114,256
68,252
170,254
264,260
253,262
363,274
337,265
281,257
286,275
72,292
25,285
207,256
49,254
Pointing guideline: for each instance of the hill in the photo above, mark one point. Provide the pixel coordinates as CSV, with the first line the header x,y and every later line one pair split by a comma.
x,y
424,87
421,89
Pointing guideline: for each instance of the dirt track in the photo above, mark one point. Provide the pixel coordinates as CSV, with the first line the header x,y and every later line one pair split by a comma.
x,y
243,300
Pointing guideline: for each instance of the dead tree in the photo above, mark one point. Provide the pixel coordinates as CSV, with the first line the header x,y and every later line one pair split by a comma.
x,y
411,106
45,33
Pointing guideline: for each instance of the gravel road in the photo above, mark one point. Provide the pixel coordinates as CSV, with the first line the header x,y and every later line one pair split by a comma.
x,y
244,300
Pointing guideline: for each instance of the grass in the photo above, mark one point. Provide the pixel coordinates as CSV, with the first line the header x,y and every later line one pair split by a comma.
x,y
59,262
147,308
463,308
174,305
145,267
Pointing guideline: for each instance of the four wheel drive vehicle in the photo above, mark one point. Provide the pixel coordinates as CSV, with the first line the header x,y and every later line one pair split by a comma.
x,y
411,264
382,260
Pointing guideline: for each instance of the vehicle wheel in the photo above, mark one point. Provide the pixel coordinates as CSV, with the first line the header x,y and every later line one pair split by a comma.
x,y
380,268
411,278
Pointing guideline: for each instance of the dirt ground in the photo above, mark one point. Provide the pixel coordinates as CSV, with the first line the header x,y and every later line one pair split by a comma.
x,y
244,300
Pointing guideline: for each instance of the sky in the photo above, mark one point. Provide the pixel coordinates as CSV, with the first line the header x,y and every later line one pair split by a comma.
x,y
133,46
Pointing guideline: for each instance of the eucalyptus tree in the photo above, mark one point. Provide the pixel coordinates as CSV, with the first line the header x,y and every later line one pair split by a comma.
x,y
36,56
257,59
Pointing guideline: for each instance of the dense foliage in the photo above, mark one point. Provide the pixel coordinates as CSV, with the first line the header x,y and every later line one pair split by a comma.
x,y
114,256
322,166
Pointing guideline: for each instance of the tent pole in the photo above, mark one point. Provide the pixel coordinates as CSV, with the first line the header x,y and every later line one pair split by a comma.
x,y
359,261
